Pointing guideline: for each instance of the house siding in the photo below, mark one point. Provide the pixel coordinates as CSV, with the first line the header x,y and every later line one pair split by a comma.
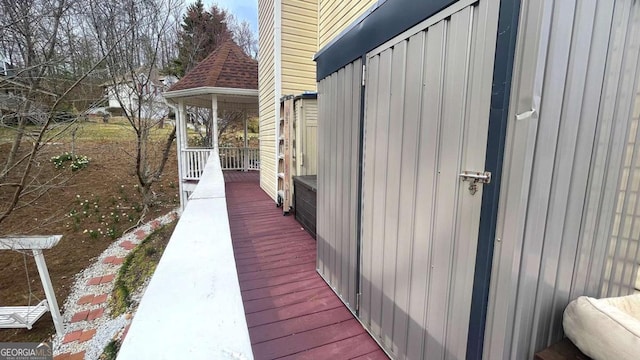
x,y
335,15
267,89
299,44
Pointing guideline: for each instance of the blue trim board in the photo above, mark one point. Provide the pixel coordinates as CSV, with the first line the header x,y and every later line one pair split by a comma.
x,y
385,22
498,118
359,195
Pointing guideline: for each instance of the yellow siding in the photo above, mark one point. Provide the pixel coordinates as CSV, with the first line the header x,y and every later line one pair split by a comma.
x,y
266,87
336,15
299,44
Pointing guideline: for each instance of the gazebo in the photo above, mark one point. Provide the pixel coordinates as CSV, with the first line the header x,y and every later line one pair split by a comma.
x,y
224,82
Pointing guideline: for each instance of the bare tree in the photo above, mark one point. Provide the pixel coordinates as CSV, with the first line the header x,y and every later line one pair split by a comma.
x,y
133,76
32,40
244,36
229,122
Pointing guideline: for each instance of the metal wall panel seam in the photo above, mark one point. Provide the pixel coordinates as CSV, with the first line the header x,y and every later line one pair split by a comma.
x,y
356,182
336,271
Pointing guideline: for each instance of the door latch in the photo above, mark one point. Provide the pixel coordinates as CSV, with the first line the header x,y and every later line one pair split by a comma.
x,y
474,178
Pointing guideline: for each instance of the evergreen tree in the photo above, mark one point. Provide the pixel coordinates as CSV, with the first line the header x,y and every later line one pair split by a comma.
x,y
201,32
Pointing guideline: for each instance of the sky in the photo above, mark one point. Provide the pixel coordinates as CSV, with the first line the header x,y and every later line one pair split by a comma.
x,y
242,9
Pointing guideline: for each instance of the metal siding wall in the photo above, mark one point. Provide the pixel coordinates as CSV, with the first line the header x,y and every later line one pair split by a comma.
x,y
562,165
338,150
426,116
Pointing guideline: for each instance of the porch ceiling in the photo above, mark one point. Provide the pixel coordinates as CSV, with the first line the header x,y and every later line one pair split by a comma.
x,y
227,98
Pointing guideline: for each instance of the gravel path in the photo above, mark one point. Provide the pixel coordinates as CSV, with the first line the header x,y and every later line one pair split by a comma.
x,y
88,325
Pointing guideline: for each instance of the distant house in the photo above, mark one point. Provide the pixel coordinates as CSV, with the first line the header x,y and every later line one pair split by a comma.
x,y
140,92
16,97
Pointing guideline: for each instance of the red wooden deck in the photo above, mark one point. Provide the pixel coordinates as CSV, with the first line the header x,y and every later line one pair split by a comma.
x,y
291,312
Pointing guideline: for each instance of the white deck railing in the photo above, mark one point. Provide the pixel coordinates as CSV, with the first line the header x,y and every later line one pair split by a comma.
x,y
231,158
194,162
192,308
234,158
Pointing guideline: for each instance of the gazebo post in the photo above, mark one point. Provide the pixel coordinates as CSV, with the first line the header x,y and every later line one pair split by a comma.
x,y
214,119
246,143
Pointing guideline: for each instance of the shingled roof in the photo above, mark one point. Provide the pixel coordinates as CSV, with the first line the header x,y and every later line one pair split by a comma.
x,y
226,67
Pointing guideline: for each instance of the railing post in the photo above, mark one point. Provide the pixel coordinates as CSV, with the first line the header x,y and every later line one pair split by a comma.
x,y
245,152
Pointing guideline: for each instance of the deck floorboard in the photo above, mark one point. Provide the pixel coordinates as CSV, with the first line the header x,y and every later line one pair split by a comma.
x,y
291,312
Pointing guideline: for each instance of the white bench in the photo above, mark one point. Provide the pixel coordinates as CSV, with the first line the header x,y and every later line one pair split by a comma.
x,y
25,316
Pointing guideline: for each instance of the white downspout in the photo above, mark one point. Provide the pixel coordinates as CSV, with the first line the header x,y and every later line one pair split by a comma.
x,y
277,65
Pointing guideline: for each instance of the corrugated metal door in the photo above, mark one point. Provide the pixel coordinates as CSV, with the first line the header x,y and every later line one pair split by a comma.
x,y
339,99
426,117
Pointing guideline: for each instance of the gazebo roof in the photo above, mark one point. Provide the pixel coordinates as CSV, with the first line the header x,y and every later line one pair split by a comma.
x,y
226,67
227,76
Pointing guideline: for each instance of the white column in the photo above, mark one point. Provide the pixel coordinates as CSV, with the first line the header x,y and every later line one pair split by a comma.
x,y
246,143
214,119
182,139
183,126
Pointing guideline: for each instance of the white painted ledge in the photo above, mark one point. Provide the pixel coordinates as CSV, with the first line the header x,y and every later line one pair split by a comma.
x,y
192,308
